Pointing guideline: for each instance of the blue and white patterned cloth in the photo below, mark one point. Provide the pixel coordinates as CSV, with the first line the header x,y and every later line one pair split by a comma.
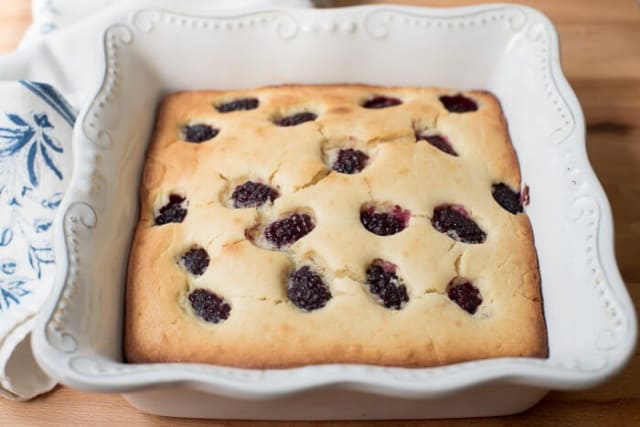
x,y
35,162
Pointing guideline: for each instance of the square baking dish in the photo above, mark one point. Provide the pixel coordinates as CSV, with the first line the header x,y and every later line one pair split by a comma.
x,y
507,49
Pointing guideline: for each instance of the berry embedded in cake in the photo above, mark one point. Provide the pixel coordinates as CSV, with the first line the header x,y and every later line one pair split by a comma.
x,y
454,221
458,103
253,194
209,306
438,141
199,133
465,294
173,211
242,104
195,260
350,161
507,198
386,221
385,284
288,230
296,119
379,101
306,289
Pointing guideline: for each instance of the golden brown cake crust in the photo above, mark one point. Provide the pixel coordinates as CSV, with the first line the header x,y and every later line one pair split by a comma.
x,y
266,330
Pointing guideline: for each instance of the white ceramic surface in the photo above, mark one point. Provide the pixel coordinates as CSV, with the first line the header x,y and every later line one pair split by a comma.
x,y
510,50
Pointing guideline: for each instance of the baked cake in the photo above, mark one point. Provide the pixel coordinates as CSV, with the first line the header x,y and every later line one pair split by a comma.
x,y
295,225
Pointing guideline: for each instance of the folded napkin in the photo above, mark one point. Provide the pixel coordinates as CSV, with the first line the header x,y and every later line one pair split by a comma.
x,y
36,123
35,163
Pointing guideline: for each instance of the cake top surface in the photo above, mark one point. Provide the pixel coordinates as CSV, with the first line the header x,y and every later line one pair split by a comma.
x,y
310,198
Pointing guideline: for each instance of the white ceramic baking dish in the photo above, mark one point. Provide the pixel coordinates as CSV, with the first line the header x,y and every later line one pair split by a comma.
x,y
507,49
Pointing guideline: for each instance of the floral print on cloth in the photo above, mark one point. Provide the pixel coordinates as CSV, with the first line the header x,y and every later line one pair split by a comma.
x,y
36,125
32,172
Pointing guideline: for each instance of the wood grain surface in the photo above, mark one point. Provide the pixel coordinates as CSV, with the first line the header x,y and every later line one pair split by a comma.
x,y
600,43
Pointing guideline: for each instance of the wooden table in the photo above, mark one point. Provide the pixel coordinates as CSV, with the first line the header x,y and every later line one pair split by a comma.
x,y
601,57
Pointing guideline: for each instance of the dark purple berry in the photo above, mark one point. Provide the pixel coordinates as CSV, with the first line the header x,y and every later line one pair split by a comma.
x,y
199,133
307,290
174,211
438,141
195,260
296,119
286,231
464,294
454,221
350,161
386,285
377,102
458,103
237,105
507,198
385,223
252,195
209,306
